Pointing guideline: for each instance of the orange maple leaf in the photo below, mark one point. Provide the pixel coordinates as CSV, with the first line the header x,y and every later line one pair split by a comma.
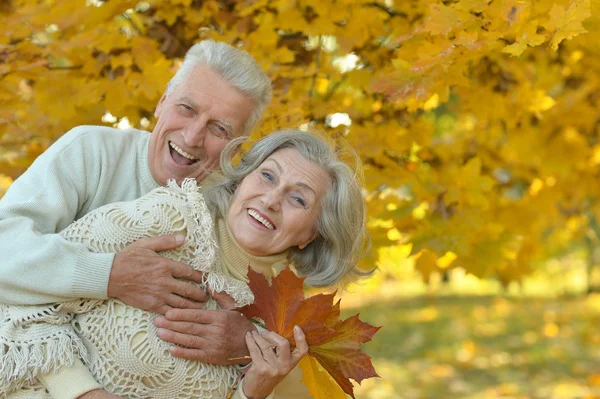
x,y
334,343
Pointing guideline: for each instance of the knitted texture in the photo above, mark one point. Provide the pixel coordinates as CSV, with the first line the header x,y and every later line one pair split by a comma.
x,y
117,342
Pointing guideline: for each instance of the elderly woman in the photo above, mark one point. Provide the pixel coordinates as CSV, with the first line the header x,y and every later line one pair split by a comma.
x,y
290,200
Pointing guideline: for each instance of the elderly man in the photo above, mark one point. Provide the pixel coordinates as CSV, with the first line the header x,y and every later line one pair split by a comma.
x,y
219,93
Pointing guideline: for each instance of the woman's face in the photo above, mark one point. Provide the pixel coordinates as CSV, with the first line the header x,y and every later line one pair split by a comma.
x,y
276,207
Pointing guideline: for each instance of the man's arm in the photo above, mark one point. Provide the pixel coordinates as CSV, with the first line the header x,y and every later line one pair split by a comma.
x,y
38,266
74,176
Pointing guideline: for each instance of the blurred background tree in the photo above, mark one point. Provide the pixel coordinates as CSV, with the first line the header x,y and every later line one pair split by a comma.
x,y
477,122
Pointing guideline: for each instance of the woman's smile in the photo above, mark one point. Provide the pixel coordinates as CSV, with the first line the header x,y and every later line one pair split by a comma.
x,y
259,220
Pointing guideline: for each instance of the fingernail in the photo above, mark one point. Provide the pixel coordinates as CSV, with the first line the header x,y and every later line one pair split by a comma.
x,y
297,329
179,239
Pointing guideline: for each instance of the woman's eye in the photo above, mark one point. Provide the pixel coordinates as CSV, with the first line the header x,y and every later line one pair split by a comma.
x,y
267,176
300,201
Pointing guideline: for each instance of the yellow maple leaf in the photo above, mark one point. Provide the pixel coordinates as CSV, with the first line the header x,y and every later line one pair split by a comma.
x,y
443,20
527,37
566,24
319,382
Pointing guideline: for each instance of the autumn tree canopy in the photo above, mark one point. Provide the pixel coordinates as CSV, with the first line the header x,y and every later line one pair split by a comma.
x,y
477,120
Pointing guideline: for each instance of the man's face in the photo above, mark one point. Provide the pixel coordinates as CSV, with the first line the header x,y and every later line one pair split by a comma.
x,y
195,121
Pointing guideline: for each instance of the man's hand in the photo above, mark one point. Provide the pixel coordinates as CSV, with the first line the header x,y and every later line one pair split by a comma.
x,y
209,336
98,394
146,280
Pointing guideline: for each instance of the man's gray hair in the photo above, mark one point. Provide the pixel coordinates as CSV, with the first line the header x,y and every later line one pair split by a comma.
x,y
235,66
342,238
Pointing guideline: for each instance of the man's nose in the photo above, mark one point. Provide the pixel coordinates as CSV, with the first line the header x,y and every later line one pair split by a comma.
x,y
194,134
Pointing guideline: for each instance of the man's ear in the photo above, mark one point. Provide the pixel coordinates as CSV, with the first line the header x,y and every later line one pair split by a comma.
x,y
159,106
312,238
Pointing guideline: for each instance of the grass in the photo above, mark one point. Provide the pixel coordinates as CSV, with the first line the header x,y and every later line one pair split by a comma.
x,y
482,347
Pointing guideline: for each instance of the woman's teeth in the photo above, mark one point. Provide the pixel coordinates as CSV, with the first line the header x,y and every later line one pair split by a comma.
x,y
265,222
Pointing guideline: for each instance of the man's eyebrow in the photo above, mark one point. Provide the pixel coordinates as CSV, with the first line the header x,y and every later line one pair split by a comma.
x,y
189,101
300,184
195,105
224,122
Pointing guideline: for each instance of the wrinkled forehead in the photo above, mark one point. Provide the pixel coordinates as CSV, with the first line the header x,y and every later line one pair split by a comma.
x,y
291,163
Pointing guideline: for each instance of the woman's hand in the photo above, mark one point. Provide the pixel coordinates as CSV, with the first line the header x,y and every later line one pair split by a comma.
x,y
98,394
272,360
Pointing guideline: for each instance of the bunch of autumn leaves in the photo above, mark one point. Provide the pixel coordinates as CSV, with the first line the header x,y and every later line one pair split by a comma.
x,y
334,355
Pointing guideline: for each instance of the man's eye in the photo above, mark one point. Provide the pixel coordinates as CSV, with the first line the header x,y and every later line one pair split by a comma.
x,y
219,130
186,108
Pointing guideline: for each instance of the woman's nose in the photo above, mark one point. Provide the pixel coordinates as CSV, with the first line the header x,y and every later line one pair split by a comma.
x,y
271,199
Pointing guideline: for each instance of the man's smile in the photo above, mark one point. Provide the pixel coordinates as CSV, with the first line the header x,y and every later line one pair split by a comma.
x,y
181,157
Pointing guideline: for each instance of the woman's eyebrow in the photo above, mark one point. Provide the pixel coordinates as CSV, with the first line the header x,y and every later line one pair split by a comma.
x,y
276,164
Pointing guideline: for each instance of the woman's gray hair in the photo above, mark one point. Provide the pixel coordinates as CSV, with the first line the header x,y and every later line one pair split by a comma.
x,y
235,66
342,238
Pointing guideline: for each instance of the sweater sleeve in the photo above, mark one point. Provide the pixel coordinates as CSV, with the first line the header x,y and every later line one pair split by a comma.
x,y
291,387
69,382
37,265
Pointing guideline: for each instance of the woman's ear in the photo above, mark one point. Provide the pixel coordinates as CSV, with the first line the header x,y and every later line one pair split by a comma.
x,y
312,238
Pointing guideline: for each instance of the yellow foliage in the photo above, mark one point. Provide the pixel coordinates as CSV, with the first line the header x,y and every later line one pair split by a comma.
x,y
5,182
476,120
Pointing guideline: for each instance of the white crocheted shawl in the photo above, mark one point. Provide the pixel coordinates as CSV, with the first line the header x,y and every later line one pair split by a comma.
x,y
36,340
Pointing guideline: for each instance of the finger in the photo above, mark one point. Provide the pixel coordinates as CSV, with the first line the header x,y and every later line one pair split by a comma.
x,y
183,327
266,347
160,243
181,270
182,339
282,345
162,309
224,300
189,290
192,315
301,345
199,355
204,316
275,338
175,301
254,350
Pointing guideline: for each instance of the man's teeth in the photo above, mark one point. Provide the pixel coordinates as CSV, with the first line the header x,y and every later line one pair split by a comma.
x,y
256,216
181,152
